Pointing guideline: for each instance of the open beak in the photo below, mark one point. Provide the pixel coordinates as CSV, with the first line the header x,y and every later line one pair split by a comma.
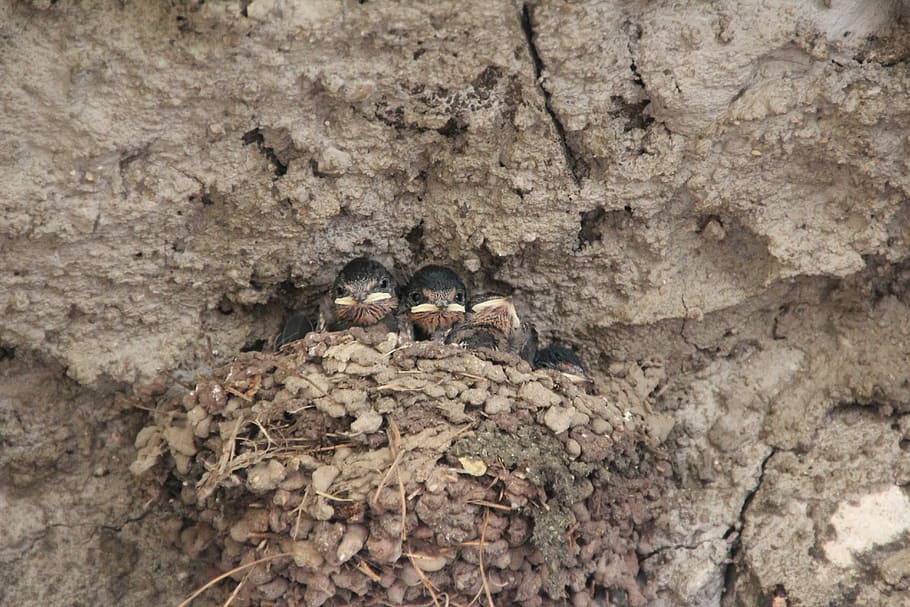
x,y
345,301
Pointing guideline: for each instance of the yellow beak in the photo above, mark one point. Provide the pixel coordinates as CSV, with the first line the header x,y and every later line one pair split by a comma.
x,y
371,298
428,307
374,297
496,302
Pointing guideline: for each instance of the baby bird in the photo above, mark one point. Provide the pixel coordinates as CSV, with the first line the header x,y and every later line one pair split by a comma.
x,y
362,295
564,359
293,328
434,301
493,323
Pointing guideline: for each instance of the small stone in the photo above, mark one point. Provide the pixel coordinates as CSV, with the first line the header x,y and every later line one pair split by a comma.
x,y
517,377
293,481
559,419
180,439
573,448
320,509
332,162
367,423
147,434
713,230
535,393
265,476
306,555
474,396
323,477
353,400
580,419
434,391
182,463
355,536
430,563
497,404
601,426
331,408
274,590
896,567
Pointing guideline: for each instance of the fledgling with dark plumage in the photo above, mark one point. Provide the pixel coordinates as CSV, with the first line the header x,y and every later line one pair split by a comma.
x,y
492,322
565,360
434,301
294,327
362,295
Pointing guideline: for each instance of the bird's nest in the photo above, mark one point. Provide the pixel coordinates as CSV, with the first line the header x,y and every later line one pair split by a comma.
x,y
345,470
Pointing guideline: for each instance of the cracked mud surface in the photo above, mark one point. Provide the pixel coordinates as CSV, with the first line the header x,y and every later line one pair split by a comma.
x,y
714,195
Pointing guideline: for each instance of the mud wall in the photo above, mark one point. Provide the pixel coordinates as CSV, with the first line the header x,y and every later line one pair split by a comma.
x,y
718,192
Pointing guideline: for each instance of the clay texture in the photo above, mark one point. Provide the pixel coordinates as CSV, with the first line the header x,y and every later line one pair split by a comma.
x,y
710,200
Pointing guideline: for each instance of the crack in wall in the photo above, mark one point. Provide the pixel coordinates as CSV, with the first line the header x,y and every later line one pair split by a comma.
x,y
737,527
577,167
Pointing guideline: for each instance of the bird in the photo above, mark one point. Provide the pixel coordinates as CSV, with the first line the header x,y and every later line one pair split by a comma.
x,y
492,322
433,301
362,295
564,359
294,327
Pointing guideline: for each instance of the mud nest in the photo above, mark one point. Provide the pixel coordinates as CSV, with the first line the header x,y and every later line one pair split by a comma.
x,y
362,473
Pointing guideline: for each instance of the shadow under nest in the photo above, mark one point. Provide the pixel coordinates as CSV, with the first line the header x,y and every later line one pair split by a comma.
x,y
358,472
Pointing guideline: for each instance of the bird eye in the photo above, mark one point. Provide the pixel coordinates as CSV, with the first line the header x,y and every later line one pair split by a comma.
x,y
339,291
414,297
459,297
384,283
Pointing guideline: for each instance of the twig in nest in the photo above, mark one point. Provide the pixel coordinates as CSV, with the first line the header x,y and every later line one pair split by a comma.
x,y
226,574
404,507
317,388
334,498
385,478
268,439
395,443
234,594
138,406
299,509
470,375
395,388
483,575
476,596
228,454
329,447
249,394
424,579
490,505
365,569
395,451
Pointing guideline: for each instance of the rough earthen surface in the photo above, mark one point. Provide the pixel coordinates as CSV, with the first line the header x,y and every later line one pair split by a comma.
x,y
709,199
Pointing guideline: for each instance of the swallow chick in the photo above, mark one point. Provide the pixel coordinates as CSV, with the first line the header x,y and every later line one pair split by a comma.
x,y
493,323
564,359
294,327
362,295
434,301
